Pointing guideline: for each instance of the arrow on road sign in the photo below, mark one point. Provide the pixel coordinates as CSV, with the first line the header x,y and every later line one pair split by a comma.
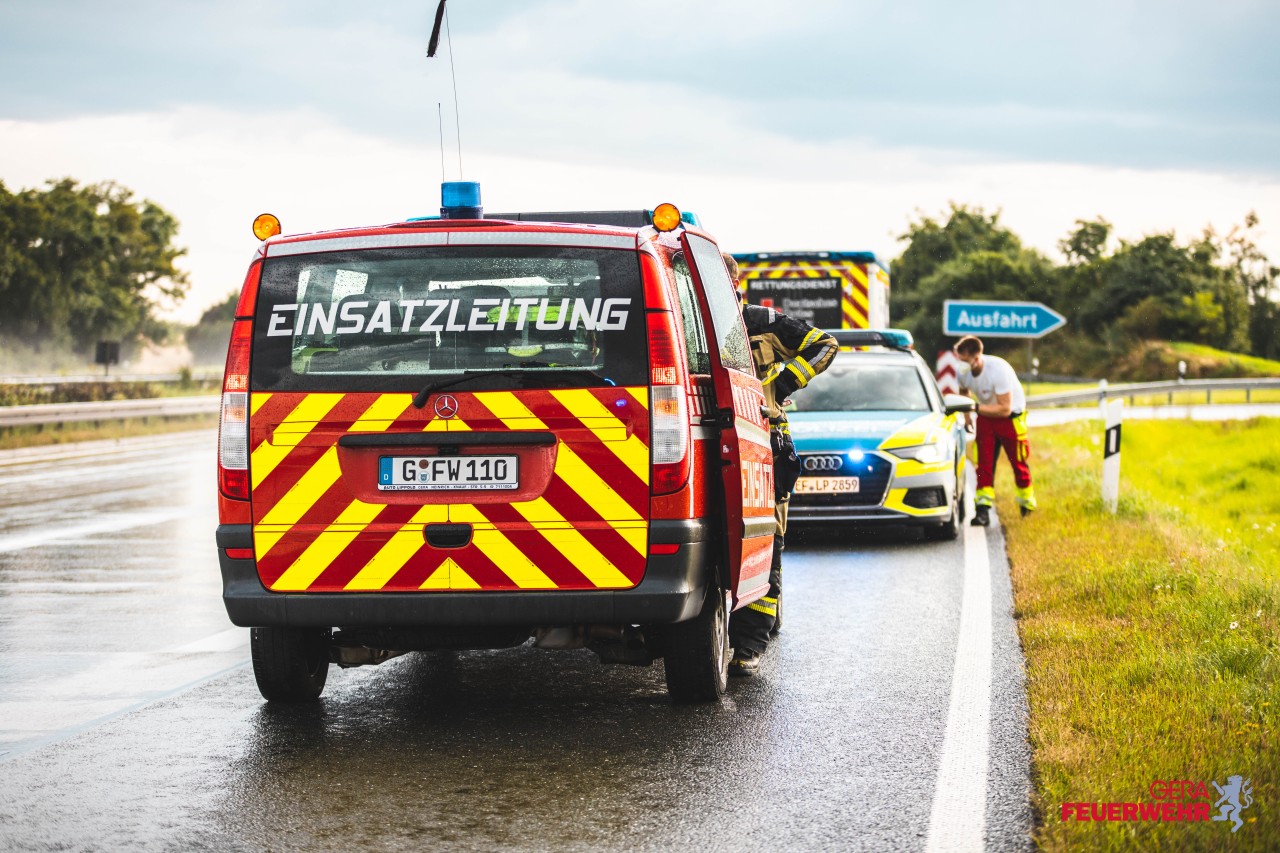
x,y
995,319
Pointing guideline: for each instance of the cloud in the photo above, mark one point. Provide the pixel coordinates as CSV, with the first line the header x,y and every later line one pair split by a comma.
x,y
215,170
1135,83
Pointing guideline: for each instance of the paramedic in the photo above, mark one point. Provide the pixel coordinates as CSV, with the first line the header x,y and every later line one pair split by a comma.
x,y
1002,423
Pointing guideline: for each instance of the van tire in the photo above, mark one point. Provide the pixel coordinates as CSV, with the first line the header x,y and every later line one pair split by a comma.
x,y
697,652
291,665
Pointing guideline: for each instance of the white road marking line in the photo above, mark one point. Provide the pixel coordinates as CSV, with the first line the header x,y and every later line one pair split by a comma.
x,y
100,472
14,750
958,819
102,524
229,640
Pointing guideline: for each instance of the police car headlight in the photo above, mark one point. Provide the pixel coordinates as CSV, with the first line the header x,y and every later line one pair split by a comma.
x,y
925,453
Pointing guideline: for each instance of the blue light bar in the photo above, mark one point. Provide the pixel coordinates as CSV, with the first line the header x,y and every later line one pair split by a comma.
x,y
892,338
460,200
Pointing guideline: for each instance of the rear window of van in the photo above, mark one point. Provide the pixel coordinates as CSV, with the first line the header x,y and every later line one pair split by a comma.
x,y
396,319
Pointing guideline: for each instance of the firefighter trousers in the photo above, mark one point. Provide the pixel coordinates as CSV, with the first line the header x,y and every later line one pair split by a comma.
x,y
1009,434
750,627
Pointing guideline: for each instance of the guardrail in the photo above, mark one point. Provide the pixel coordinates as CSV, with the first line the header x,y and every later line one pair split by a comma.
x,y
107,410
1104,391
201,375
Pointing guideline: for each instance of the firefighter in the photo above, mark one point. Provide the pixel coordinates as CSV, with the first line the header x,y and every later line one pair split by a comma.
x,y
1002,423
788,353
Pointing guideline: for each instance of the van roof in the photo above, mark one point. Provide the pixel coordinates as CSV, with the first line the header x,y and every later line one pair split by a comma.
x,y
472,225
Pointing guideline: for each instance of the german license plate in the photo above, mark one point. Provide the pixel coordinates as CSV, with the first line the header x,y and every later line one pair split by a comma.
x,y
826,485
439,473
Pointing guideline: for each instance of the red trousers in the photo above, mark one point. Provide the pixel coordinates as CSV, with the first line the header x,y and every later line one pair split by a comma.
x,y
1010,434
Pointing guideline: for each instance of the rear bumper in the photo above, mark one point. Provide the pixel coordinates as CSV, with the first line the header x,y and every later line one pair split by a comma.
x,y
671,591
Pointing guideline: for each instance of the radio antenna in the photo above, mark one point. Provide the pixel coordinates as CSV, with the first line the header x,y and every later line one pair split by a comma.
x,y
457,115
440,124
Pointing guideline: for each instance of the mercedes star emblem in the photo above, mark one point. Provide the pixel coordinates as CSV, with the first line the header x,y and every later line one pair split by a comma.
x,y
446,406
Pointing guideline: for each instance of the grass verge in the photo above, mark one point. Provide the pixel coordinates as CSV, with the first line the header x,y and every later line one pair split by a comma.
x,y
1177,398
30,436
1152,637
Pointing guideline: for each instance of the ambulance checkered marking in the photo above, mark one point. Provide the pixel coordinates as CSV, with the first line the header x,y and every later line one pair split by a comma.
x,y
855,302
588,530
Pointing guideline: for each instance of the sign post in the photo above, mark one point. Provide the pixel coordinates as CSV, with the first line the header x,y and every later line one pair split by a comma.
x,y
106,353
996,319
1113,417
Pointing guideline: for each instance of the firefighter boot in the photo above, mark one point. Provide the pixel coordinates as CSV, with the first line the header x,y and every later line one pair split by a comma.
x,y
745,663
981,516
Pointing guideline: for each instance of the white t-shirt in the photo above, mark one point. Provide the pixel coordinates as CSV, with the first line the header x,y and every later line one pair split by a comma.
x,y
997,377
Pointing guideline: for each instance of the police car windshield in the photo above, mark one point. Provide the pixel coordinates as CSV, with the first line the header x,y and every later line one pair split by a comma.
x,y
865,388
406,319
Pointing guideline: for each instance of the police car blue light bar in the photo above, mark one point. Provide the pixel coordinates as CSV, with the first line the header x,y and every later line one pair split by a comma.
x,y
892,338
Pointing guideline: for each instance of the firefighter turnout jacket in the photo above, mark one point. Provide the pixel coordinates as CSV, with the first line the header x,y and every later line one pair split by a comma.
x,y
788,353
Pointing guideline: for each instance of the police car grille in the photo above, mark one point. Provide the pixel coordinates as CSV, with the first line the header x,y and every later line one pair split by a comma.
x,y
873,473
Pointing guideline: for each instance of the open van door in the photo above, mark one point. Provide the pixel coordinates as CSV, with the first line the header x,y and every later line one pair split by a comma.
x,y
746,457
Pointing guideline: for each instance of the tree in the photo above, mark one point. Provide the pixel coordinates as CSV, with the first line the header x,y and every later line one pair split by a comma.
x,y
931,245
1258,278
80,264
1022,276
1155,285
1088,242
208,338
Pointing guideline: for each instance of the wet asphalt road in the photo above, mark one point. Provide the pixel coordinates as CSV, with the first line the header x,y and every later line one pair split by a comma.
x,y
129,718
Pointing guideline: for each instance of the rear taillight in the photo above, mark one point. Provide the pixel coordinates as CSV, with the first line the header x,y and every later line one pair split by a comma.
x,y
248,300
233,430
668,407
670,438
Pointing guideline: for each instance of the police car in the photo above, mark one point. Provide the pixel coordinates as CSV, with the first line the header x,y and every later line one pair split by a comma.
x,y
878,442
472,432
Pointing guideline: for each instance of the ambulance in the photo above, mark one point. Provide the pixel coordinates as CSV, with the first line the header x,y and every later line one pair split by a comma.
x,y
472,432
830,290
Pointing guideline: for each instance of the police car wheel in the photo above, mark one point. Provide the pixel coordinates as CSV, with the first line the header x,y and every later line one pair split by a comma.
x,y
697,652
950,529
290,665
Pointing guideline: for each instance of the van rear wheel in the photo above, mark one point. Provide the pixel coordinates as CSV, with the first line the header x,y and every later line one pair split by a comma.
x,y
291,665
697,652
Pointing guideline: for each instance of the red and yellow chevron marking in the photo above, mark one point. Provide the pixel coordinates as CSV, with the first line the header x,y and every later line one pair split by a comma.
x,y
588,530
854,302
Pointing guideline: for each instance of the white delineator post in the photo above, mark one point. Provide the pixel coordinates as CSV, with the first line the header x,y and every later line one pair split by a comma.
x,y
1112,416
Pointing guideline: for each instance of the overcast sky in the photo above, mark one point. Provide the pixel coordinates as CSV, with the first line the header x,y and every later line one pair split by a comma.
x,y
784,125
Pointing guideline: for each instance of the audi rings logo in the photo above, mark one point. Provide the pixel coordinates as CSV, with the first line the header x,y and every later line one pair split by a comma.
x,y
824,462
446,406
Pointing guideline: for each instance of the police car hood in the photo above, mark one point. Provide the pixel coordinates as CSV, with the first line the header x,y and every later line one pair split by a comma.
x,y
817,432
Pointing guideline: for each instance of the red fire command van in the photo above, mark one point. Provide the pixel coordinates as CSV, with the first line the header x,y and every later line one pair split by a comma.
x,y
470,432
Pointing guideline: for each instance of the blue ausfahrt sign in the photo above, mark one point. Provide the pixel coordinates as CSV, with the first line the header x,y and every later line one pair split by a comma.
x,y
999,319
